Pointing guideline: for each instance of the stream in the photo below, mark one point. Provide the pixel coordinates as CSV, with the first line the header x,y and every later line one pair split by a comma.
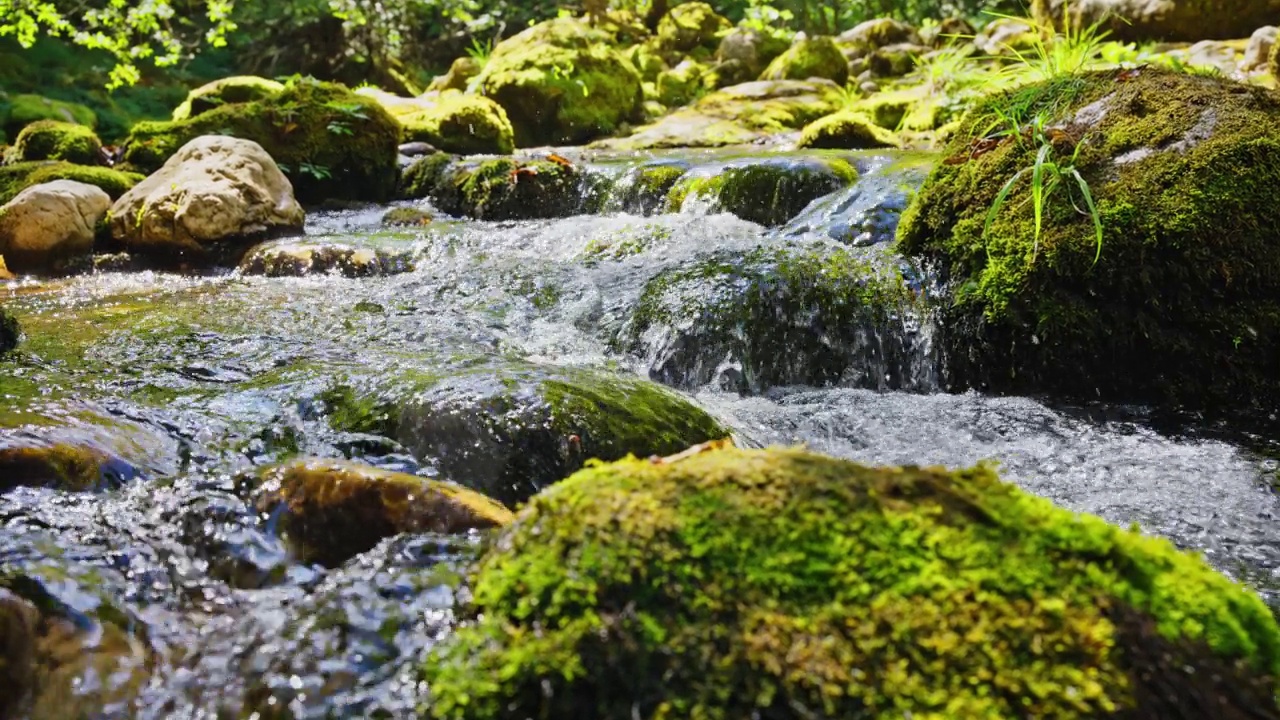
x,y
187,382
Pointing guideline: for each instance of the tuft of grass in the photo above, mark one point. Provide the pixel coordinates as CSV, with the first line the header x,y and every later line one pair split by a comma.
x,y
1054,52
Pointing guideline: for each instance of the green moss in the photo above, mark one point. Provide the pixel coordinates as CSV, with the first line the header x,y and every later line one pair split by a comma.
x,y
690,26
61,466
646,58
463,124
420,179
783,584
766,192
646,188
891,62
459,76
507,189
10,331
681,84
846,130
624,243
227,91
561,82
1181,308
814,57
406,216
332,143
57,140
19,176
22,110
331,510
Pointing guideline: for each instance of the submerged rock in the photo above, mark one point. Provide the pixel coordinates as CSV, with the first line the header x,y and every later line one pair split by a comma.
x,y
1170,20
216,196
809,58
57,140
302,258
48,226
462,124
406,217
331,510
1178,305
767,191
846,130
783,584
227,91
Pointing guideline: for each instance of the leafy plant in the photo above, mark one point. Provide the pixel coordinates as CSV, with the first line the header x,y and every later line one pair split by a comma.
x,y
480,51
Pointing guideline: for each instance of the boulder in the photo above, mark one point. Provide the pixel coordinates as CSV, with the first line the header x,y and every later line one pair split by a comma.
x,y
508,189
809,58
878,33
458,123
459,76
50,225
1168,20
765,191
724,583
893,61
680,84
1177,306
1259,49
19,176
64,466
1273,61
750,51
1005,35
227,91
210,201
302,258
58,140
846,130
561,82
22,110
691,26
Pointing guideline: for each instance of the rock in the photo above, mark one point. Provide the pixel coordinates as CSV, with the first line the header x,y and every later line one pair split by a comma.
x,y
1002,36
561,82
644,189
212,199
416,149
690,26
646,58
1259,49
332,510
10,332
817,316
1273,61
809,58
19,176
740,583
752,50
396,105
4,273
18,622
299,259
894,61
424,177
406,217
227,91
765,191
511,432
951,31
1180,307
50,225
878,33
1169,20
58,140
737,115
462,124
846,130
22,110
681,84
332,143
62,466
510,189
460,74
913,109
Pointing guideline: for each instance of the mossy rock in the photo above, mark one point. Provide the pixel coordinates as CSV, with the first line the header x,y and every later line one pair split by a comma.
x,y
681,84
689,26
291,258
913,109
809,58
784,584
58,140
462,124
331,510
331,142
510,189
459,77
846,130
894,60
647,59
227,91
1182,21
10,331
406,217
422,178
19,176
1179,306
877,33
561,82
782,316
22,110
644,189
510,432
769,192
58,465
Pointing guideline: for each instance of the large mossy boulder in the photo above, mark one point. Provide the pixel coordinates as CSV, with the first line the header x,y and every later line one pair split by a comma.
x,y
462,124
561,82
689,27
737,115
22,110
332,143
19,176
499,189
1179,305
765,191
813,316
1170,20
227,91
787,585
817,57
58,140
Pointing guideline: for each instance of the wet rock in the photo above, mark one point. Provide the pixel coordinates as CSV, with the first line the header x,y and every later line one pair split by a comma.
x,y
510,189
780,581
459,76
331,510
425,176
771,317
462,124
59,465
24,109
846,130
1148,20
10,332
406,217
511,432
16,177
1180,308
48,226
691,26
809,58
737,115
561,82
214,197
18,622
417,149
767,191
301,258
1259,49
57,140
227,91
644,189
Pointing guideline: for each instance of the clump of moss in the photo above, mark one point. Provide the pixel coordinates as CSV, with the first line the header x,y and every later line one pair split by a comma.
x,y
10,331
58,140
22,110
681,84
331,142
846,130
422,178
19,176
463,124
1181,306
783,584
61,466
227,91
812,57
331,510
766,192
510,189
691,26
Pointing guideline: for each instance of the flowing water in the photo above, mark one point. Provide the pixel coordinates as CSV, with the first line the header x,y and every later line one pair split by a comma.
x,y
186,382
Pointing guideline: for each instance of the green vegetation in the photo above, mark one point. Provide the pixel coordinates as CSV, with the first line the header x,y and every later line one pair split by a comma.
x,y
58,140
22,110
765,192
463,124
736,583
19,176
231,90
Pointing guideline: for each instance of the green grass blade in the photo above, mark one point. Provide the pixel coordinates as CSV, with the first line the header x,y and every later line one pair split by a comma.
x,y
1001,197
1093,210
1037,193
